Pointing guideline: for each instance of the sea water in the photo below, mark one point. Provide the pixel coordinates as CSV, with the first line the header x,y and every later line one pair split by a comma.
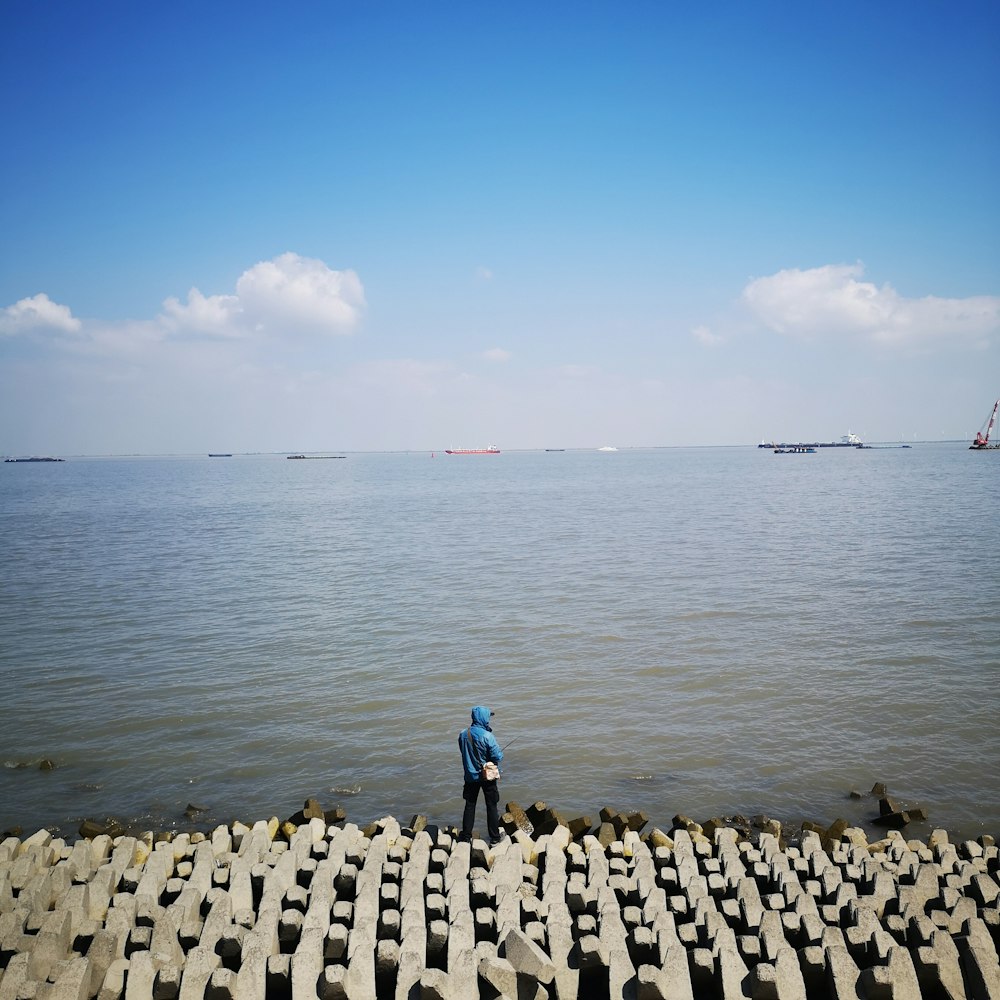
x,y
708,631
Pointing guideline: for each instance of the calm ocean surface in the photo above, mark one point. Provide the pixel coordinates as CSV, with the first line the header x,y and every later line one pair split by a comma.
x,y
706,631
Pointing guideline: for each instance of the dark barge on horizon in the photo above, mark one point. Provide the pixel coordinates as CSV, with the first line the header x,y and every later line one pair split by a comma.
x,y
849,440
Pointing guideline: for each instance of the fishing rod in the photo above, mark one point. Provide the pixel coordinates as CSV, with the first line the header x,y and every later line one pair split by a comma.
x,y
514,740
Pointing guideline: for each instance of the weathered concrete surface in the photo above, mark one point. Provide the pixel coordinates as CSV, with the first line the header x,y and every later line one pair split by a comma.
x,y
335,912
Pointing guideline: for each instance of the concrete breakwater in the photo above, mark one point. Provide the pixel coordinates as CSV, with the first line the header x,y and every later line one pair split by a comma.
x,y
315,909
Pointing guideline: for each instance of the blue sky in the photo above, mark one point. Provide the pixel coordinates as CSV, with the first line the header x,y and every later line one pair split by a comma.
x,y
391,226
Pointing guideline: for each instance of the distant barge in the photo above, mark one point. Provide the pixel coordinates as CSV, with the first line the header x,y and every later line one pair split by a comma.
x,y
849,440
34,460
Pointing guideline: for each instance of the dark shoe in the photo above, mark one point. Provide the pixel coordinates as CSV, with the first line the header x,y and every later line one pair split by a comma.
x,y
499,840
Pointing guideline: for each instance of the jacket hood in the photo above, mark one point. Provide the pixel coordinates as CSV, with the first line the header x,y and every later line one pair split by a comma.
x,y
481,716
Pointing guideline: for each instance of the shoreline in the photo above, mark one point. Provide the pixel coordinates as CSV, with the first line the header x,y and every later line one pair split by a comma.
x,y
873,812
324,908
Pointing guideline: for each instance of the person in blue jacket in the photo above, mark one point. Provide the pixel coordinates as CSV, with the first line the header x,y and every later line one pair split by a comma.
x,y
478,745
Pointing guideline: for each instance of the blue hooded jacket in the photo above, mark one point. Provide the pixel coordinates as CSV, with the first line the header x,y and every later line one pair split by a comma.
x,y
486,746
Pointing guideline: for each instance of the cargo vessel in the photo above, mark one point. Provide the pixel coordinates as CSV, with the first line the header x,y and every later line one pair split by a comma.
x,y
849,440
490,449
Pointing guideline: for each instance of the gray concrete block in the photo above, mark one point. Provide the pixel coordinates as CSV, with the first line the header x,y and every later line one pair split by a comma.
x,y
199,964
842,973
389,925
531,991
984,890
688,935
896,980
456,870
387,955
307,962
643,946
731,972
141,976
480,893
15,981
164,943
485,925
812,965
335,944
701,967
499,974
938,968
258,945
167,984
675,975
652,984
138,940
104,948
751,906
461,938
750,949
333,984
51,944
361,964
763,982
621,975
437,939
113,987
590,954
435,985
781,980
535,930
975,934
436,907
411,967
578,897
560,945
980,970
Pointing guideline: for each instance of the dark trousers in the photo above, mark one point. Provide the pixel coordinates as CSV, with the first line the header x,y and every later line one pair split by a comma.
x,y
491,792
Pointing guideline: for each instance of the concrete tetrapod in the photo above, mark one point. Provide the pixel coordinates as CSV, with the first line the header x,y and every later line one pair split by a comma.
x,y
334,911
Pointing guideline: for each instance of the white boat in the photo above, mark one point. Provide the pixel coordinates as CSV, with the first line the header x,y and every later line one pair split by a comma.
x,y
608,447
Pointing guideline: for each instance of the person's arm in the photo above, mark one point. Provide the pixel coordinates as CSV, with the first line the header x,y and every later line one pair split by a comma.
x,y
496,754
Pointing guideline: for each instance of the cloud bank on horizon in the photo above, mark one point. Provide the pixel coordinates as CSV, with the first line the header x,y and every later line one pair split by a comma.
x,y
234,352
289,294
833,301
292,295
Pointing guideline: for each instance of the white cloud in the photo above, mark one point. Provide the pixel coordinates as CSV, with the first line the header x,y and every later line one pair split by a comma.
x,y
705,336
833,301
497,354
212,314
37,312
300,293
289,294
286,296
484,273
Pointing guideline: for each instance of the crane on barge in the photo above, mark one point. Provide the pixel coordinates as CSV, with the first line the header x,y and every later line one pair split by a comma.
x,y
982,442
